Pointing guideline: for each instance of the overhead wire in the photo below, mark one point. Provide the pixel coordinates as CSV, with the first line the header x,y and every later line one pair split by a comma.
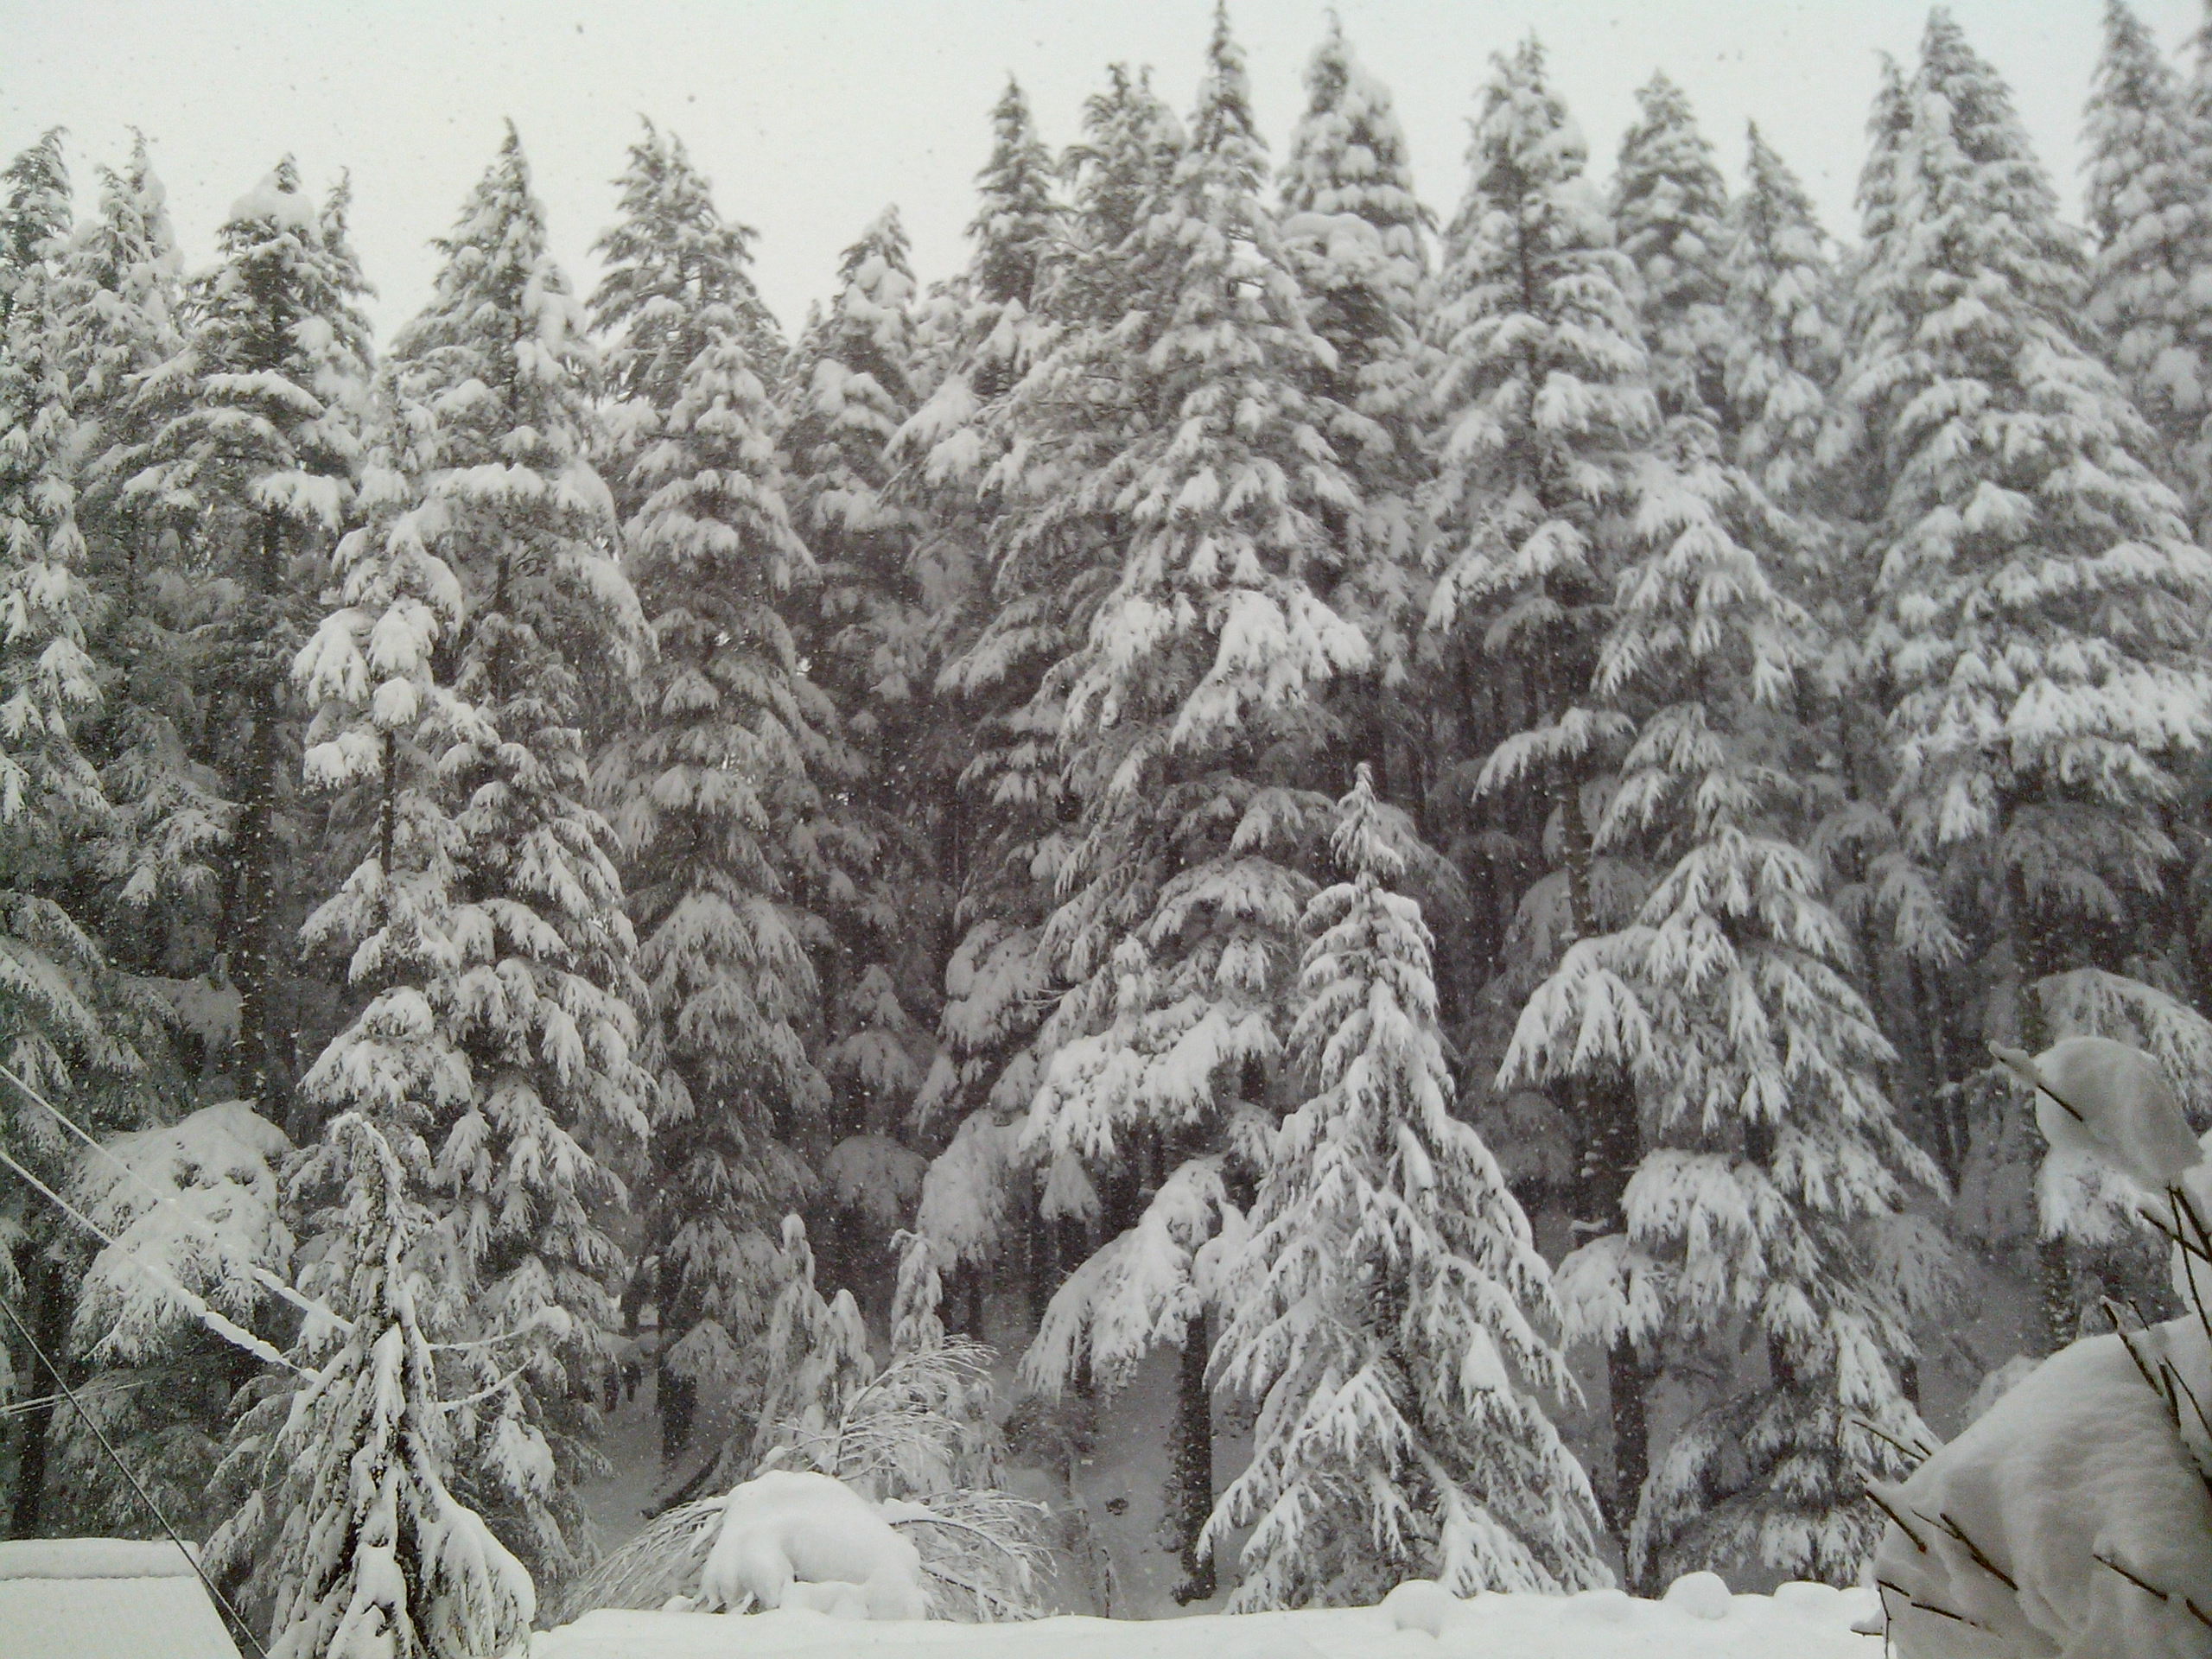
x,y
261,1275
226,1328
191,1557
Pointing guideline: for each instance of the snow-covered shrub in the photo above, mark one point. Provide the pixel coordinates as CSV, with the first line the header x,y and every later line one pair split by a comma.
x,y
2074,1516
803,1540
920,1435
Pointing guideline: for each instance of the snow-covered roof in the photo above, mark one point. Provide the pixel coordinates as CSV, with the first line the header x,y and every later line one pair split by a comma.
x,y
105,1599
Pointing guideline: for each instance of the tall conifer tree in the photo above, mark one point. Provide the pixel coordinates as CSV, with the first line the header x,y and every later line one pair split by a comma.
x,y
1670,211
483,616
2146,197
1390,1311
1192,709
1540,398
258,446
2038,598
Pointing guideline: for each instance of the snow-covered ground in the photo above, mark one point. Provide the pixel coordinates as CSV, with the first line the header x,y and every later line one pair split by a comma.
x,y
1698,1619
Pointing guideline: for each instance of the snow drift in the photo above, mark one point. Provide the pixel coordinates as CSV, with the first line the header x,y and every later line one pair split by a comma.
x,y
805,1541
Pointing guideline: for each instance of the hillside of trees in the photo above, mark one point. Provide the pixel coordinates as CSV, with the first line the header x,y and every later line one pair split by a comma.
x,y
1431,813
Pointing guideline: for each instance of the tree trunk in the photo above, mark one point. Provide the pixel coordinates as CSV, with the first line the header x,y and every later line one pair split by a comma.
x,y
49,1324
2054,1261
1612,1146
250,923
1192,1494
677,1398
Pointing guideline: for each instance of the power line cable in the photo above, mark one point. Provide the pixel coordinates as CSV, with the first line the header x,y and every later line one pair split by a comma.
x,y
145,1496
261,1275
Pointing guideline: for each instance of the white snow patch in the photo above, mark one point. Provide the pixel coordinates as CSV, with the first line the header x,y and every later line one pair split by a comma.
x,y
92,1557
2077,1488
105,1599
809,1541
1801,1621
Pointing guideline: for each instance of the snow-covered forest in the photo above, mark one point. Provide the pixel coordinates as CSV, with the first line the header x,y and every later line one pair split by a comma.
x,y
1286,889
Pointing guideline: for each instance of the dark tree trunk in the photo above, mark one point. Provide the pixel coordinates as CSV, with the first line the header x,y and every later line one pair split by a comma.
x,y
1192,1495
250,918
1612,1145
49,1323
678,1400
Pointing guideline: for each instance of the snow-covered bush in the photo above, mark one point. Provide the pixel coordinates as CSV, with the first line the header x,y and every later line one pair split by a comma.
x,y
2074,1517
803,1540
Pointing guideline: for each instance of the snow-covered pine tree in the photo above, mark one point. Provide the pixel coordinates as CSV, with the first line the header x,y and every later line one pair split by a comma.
x,y
981,332
978,334
1768,1143
1356,238
196,1208
2145,198
1542,411
915,1324
34,213
124,293
68,1021
1053,558
1194,711
1784,342
352,1537
851,389
1670,213
61,1006
673,272
2039,600
257,444
483,616
710,793
1390,1311
817,1359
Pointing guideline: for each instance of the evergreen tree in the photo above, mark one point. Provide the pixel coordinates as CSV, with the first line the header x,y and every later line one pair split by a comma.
x,y
1354,236
1051,558
1785,346
1670,211
35,213
257,446
850,390
710,795
1767,1145
73,1023
1194,706
2037,596
817,1357
355,1535
2145,200
1390,1311
62,1002
482,615
125,292
675,273
1541,400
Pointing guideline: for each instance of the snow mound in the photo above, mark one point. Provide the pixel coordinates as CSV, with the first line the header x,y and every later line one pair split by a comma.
x,y
806,1540
2103,1100
1799,1621
1701,1595
2070,1519
105,1599
1421,1605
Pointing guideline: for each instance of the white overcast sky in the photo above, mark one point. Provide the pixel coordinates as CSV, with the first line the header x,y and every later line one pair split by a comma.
x,y
811,115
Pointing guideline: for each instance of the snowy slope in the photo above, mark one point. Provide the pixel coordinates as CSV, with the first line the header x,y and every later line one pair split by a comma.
x,y
1696,1621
